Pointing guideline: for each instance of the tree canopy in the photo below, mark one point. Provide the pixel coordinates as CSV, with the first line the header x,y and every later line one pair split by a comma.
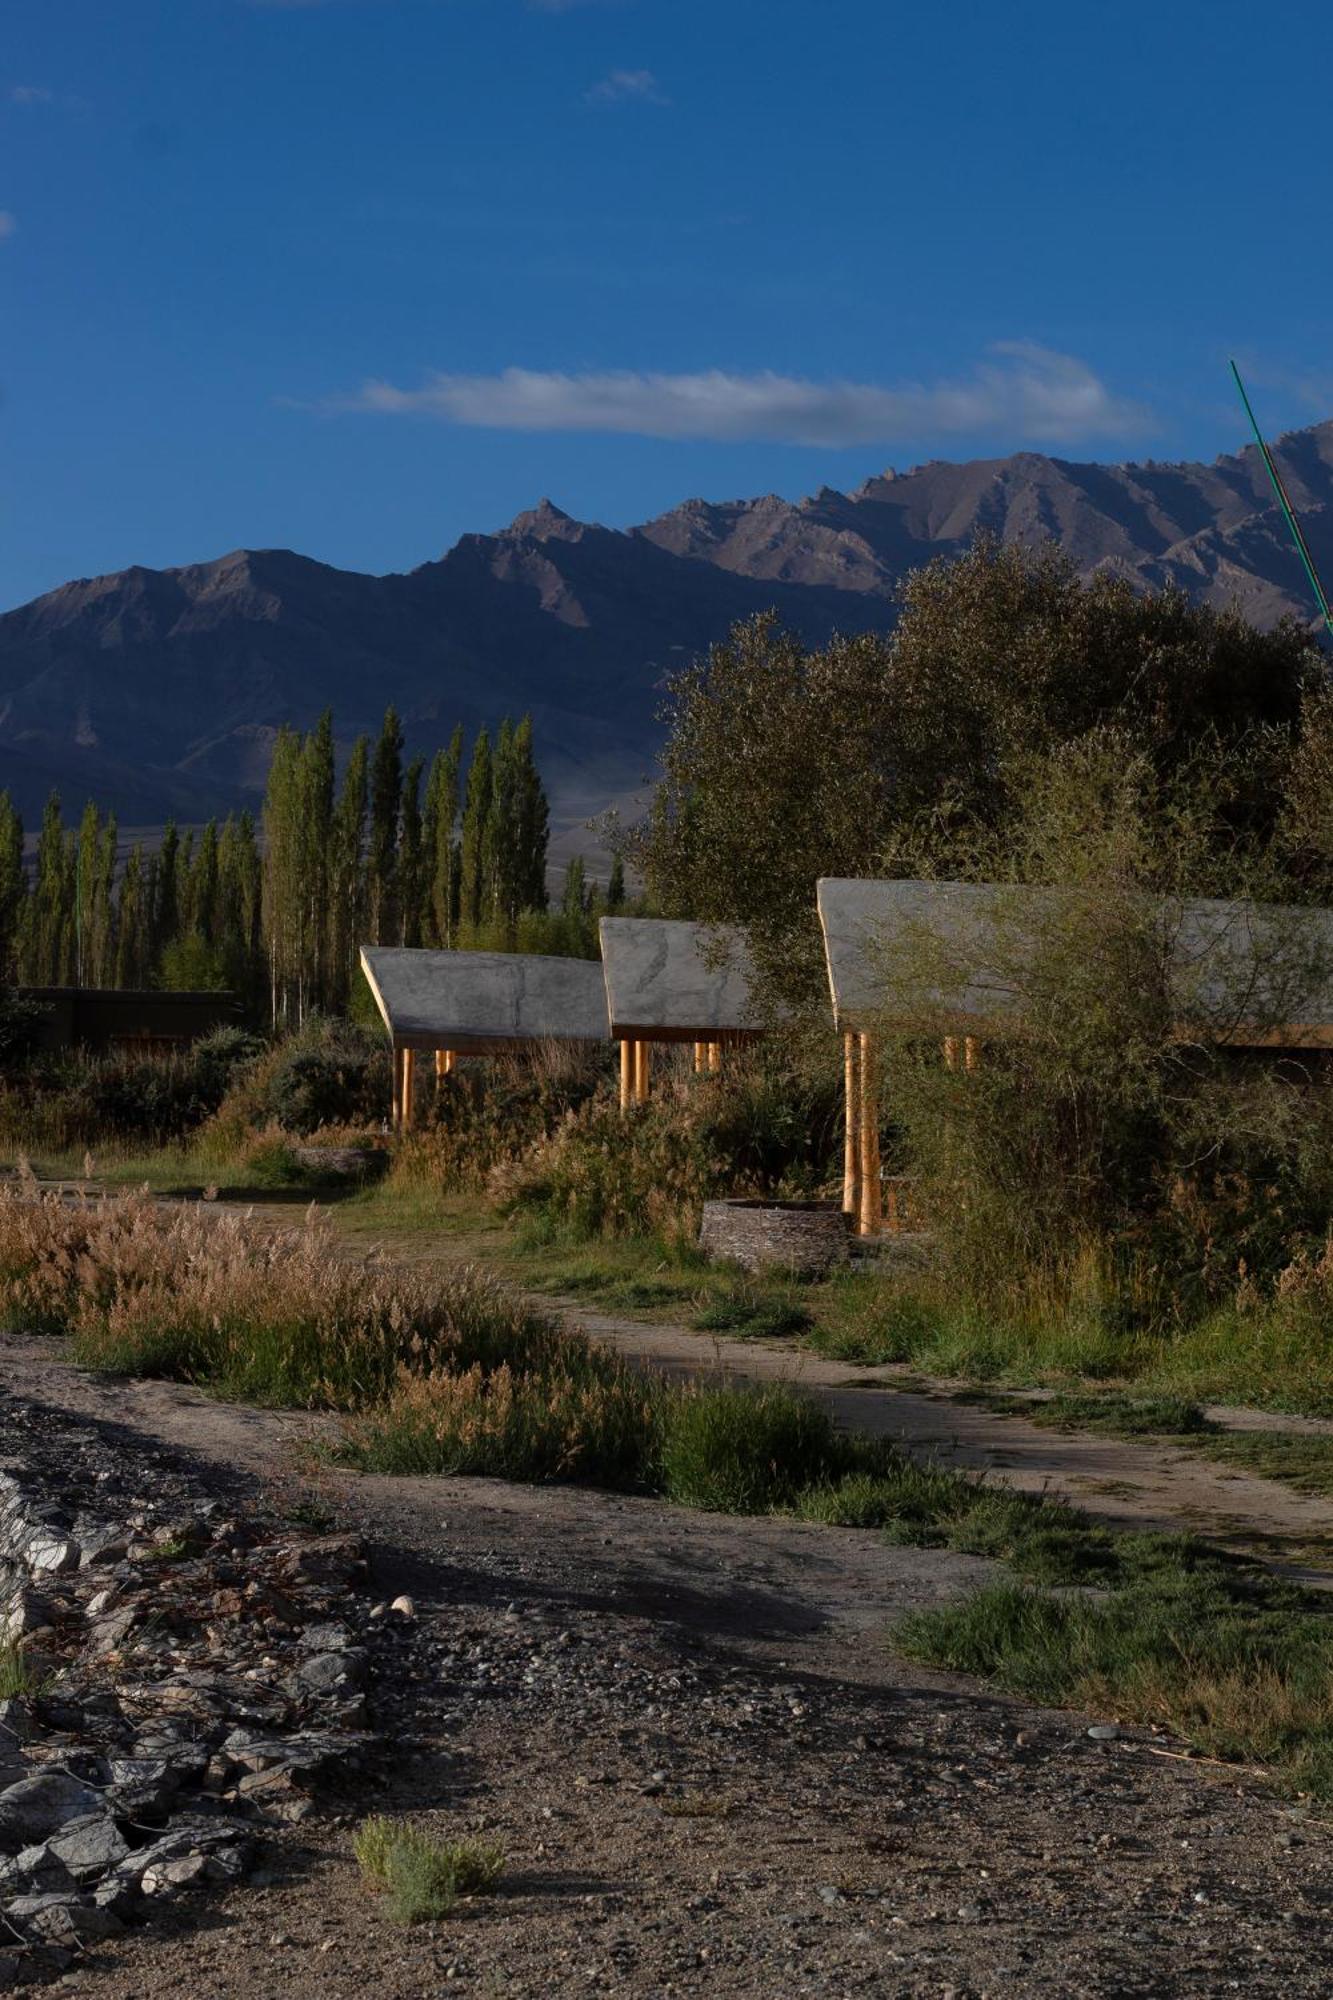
x,y
873,753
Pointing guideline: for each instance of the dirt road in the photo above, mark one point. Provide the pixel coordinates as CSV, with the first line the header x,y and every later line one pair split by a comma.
x,y
713,1776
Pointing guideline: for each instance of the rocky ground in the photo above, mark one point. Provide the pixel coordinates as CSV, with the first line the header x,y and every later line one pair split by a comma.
x,y
710,1772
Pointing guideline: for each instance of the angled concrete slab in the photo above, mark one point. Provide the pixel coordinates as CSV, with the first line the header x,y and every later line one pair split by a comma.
x,y
484,1002
1258,974
677,982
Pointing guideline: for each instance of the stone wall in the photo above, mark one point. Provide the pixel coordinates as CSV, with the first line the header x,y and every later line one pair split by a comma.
x,y
803,1238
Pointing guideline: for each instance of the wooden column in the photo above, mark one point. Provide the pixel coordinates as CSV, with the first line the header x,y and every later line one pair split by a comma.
x,y
700,1058
628,1069
951,1051
397,1119
642,1073
971,1052
444,1063
871,1193
409,1072
851,1151
714,1057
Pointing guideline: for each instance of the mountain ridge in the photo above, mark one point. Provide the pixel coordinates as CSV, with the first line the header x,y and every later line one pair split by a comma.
x,y
160,691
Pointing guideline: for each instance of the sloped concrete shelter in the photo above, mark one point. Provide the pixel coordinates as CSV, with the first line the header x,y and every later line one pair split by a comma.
x,y
675,982
1244,975
478,1003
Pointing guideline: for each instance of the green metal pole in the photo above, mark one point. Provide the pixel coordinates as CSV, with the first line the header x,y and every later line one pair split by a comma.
x,y
1302,548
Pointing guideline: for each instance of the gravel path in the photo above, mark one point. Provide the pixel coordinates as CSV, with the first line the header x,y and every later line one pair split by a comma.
x,y
712,1774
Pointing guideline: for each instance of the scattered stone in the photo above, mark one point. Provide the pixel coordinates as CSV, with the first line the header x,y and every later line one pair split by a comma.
x,y
1104,1732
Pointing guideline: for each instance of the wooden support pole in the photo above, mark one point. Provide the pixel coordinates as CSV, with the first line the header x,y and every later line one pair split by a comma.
x,y
700,1058
851,1151
628,1069
444,1063
951,1051
715,1058
397,1090
871,1192
642,1072
409,1072
971,1052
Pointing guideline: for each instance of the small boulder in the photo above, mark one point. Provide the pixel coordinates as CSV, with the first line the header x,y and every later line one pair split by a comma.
x,y
37,1807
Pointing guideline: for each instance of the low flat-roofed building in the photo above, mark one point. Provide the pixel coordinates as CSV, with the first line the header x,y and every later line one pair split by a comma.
x,y
954,955
669,981
478,1003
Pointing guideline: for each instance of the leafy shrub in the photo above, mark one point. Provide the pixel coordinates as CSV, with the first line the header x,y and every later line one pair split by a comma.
x,y
601,1173
328,1074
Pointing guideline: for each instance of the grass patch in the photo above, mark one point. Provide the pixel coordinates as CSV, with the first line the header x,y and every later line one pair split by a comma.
x,y
423,1877
1233,1661
1294,1458
754,1314
1115,1414
17,1677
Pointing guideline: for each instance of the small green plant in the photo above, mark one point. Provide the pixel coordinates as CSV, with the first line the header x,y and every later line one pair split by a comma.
x,y
17,1677
422,1876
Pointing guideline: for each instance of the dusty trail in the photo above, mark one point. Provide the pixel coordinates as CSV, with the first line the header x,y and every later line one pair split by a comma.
x,y
1131,1483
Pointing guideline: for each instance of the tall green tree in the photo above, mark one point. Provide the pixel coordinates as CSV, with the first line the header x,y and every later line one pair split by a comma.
x,y
440,849
475,838
134,915
347,884
532,822
13,886
386,796
411,858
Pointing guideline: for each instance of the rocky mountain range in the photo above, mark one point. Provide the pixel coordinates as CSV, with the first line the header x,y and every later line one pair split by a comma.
x,y
160,691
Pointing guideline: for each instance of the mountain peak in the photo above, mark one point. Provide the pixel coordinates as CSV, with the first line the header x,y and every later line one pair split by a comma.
x,y
546,522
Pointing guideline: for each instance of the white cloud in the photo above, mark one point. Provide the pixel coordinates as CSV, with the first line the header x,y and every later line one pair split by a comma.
x,y
1023,391
8,224
624,85
31,93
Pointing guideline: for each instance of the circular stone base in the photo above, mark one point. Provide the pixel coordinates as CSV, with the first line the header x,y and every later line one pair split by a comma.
x,y
801,1237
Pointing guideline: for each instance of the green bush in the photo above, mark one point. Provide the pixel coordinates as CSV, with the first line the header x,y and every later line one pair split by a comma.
x,y
753,1130
746,1451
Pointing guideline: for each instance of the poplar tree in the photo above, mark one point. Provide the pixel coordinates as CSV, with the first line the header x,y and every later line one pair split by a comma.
x,y
238,932
615,888
314,832
48,946
13,885
134,922
281,877
531,822
347,888
440,850
475,839
411,858
165,920
386,793
503,864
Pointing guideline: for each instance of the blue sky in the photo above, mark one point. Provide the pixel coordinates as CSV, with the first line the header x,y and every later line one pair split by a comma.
x,y
355,276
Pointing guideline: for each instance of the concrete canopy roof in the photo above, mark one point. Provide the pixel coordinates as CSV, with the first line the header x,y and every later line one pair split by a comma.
x,y
484,1002
1249,974
677,982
